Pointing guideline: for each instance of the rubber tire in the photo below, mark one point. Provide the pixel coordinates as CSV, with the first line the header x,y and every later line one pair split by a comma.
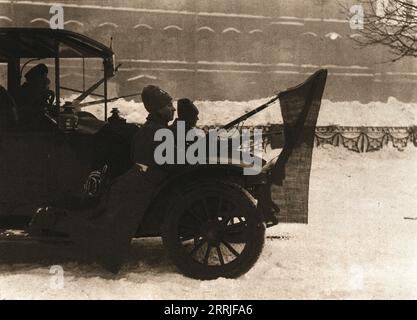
x,y
177,253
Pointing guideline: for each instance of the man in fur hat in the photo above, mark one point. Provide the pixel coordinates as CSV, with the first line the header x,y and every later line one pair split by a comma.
x,y
105,231
158,104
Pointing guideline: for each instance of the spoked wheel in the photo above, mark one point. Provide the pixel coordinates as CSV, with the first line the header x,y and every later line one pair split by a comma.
x,y
213,230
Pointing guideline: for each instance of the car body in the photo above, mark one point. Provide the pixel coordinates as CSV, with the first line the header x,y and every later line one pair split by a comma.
x,y
44,167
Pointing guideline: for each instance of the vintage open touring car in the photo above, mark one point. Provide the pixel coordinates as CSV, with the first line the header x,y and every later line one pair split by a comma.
x,y
216,229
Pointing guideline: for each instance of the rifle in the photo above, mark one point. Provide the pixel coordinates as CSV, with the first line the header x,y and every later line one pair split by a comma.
x,y
250,113
91,103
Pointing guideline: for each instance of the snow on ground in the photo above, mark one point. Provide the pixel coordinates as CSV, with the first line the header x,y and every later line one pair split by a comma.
x,y
390,113
357,245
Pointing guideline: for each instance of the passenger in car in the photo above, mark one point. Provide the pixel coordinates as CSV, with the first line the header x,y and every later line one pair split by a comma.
x,y
158,104
185,122
105,231
187,112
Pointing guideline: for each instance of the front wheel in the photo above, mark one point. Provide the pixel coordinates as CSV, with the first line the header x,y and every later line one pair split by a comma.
x,y
212,229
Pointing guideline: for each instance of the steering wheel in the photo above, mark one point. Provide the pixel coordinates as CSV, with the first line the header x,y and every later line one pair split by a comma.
x,y
49,99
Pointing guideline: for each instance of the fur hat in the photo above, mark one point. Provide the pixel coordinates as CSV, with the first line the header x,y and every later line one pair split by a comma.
x,y
38,71
186,109
155,98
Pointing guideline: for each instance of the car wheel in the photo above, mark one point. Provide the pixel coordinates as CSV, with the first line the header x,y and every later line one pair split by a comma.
x,y
212,229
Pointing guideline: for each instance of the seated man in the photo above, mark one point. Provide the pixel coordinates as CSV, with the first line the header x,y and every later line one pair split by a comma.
x,y
34,96
186,121
187,112
8,111
158,104
105,231
113,144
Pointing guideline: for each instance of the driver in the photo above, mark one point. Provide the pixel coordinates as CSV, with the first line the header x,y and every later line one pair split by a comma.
x,y
33,95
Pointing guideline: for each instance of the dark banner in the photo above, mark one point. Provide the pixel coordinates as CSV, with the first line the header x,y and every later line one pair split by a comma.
x,y
291,176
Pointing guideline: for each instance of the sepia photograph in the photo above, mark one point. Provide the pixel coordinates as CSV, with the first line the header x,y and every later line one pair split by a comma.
x,y
208,150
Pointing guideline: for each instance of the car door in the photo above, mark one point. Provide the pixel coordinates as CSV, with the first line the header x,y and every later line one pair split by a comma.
x,y
24,171
70,164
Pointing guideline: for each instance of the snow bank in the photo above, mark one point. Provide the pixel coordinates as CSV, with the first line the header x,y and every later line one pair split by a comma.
x,y
347,113
354,113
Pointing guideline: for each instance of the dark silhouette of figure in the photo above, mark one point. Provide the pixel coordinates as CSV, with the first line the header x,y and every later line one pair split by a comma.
x,y
105,231
158,104
187,112
129,195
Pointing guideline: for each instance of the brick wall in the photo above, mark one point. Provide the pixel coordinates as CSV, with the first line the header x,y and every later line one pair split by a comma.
x,y
235,50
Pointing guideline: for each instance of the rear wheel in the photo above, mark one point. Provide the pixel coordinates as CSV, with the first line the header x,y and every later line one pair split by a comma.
x,y
213,230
